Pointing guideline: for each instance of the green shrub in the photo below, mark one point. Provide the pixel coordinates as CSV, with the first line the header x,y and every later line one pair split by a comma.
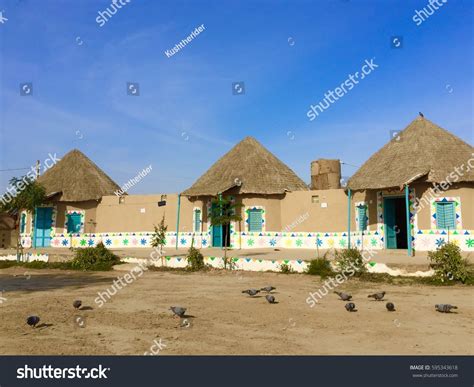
x,y
286,269
321,267
94,258
195,259
448,263
350,261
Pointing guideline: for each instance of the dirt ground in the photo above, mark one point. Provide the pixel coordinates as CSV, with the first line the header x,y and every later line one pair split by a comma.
x,y
222,320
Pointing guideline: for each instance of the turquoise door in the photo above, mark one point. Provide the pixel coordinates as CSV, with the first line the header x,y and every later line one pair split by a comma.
x,y
390,230
43,223
217,236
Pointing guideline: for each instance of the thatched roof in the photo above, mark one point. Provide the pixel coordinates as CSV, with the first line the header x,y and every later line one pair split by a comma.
x,y
251,168
76,178
423,150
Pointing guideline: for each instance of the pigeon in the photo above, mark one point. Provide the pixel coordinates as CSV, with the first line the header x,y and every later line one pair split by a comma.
x,y
344,296
377,296
268,289
77,304
270,298
350,307
390,307
178,310
32,321
251,292
445,308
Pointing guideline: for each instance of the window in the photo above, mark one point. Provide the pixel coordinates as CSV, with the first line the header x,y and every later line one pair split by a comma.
x,y
197,220
362,216
445,215
74,223
255,220
315,199
22,223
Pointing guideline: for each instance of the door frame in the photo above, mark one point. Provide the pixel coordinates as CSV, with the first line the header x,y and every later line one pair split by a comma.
x,y
35,226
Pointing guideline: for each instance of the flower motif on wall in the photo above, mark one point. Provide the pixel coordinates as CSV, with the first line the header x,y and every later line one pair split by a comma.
x,y
331,242
470,242
182,241
273,242
65,242
299,242
342,242
125,242
204,242
108,242
82,242
440,242
90,242
134,242
319,242
250,242
373,242
56,242
143,241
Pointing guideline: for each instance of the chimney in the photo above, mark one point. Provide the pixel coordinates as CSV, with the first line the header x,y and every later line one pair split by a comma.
x,y
325,174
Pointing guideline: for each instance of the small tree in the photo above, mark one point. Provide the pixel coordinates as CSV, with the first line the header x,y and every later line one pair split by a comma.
x,y
159,236
223,212
29,195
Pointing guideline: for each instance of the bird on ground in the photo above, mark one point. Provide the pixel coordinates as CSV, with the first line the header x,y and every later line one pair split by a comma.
x,y
377,296
350,307
390,307
32,321
178,310
268,289
270,298
77,304
343,296
251,292
445,308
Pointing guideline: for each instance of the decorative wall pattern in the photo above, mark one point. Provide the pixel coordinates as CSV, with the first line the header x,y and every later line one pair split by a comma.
x,y
82,214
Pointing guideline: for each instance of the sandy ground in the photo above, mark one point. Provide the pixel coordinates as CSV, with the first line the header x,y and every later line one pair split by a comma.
x,y
223,321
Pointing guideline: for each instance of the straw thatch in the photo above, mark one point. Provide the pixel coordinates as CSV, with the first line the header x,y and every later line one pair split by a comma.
x,y
423,150
249,167
76,178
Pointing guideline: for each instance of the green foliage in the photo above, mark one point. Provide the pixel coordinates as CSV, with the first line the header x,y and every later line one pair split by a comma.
x,y
350,261
195,259
286,269
159,236
94,258
30,194
448,263
321,267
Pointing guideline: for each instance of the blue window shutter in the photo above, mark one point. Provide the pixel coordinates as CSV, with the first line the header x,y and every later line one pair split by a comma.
x,y
362,215
255,220
197,220
22,223
445,215
73,223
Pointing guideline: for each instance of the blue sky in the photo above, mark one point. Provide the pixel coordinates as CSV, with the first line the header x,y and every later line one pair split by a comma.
x,y
186,116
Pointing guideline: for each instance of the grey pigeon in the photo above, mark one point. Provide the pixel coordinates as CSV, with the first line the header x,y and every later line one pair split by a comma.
x,y
77,304
445,308
251,292
390,307
350,307
32,321
270,298
178,310
268,289
344,296
377,296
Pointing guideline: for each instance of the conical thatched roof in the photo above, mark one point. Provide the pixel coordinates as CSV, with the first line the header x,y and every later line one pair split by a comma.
x,y
76,178
251,167
422,150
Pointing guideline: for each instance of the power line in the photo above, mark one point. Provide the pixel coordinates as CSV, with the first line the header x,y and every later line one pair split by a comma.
x,y
13,169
